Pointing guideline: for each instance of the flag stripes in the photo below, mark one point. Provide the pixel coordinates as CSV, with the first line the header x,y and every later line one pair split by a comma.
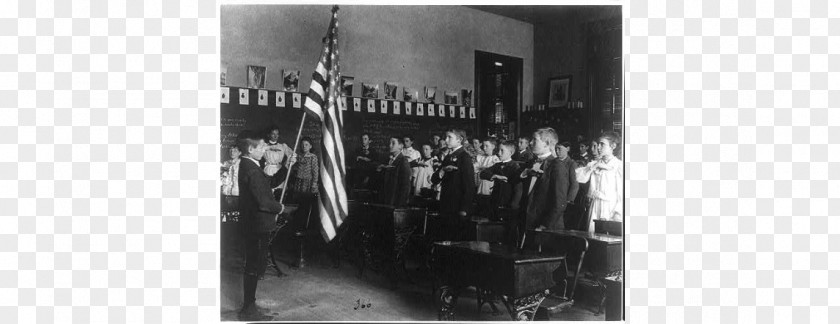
x,y
323,104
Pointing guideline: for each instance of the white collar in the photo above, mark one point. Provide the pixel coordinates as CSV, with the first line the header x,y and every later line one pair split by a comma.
x,y
544,156
252,159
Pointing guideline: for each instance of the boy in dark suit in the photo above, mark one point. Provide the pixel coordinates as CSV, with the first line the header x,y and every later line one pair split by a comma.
x,y
365,160
507,189
397,176
572,212
258,215
523,153
457,179
545,184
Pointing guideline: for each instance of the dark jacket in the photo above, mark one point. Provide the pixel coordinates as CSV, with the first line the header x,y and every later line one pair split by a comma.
x,y
505,193
458,186
545,204
570,165
397,183
526,158
257,206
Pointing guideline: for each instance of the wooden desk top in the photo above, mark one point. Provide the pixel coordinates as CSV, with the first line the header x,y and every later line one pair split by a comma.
x,y
499,251
608,239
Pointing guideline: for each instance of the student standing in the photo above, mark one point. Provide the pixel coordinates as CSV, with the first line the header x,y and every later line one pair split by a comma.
x,y
456,177
396,176
547,183
276,152
258,216
423,181
484,187
606,179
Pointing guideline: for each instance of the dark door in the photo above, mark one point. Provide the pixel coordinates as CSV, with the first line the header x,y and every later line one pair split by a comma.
x,y
498,94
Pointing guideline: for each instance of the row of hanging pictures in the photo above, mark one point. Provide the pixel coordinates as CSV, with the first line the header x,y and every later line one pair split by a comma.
x,y
291,78
372,105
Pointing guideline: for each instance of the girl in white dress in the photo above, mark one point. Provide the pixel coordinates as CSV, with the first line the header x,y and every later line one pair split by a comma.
x,y
606,176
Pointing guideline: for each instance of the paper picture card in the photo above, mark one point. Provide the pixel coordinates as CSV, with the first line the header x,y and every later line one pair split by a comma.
x,y
347,86
343,103
466,97
430,94
408,108
463,112
450,97
451,111
296,100
291,78
472,112
262,97
397,108
256,77
371,105
280,99
243,97
410,94
370,90
420,111
357,104
225,95
441,111
391,90
383,106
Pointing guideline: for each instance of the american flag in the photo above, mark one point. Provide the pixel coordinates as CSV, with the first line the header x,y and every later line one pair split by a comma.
x,y
324,103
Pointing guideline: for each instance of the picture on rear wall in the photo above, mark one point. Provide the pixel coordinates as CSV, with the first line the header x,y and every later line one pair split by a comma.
x,y
223,75
370,90
466,97
290,80
410,94
450,97
558,91
347,86
430,92
256,77
391,90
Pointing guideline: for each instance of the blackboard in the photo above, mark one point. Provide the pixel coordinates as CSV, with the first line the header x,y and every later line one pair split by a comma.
x,y
235,117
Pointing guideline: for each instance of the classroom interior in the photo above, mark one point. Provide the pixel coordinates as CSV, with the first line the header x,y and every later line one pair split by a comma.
x,y
494,71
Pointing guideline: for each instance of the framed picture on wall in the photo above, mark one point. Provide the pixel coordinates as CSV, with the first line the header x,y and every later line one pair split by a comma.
x,y
290,80
370,90
391,90
256,77
558,91
347,86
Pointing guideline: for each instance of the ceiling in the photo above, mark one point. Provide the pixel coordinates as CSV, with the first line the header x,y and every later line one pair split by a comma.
x,y
528,14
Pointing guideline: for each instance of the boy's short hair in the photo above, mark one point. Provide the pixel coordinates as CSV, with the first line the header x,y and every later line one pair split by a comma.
x,y
548,135
398,138
459,133
409,137
566,144
246,140
525,137
509,144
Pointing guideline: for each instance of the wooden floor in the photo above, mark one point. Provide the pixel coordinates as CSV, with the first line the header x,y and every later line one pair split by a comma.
x,y
319,292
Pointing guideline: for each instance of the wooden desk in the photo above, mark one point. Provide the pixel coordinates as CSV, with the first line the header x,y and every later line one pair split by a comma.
x,y
521,278
604,254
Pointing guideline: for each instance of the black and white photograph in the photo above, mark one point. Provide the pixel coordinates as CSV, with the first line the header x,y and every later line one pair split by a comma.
x,y
391,90
410,94
476,209
450,97
466,97
370,90
256,77
347,86
291,78
430,93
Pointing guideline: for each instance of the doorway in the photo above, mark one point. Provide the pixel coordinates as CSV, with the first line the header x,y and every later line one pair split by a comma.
x,y
498,94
